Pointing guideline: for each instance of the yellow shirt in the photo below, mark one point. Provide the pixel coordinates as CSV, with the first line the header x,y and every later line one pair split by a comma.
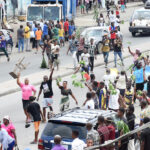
x,y
106,47
61,32
27,32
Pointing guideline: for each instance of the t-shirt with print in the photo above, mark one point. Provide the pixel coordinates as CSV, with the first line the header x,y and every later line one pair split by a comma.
x,y
27,91
85,58
91,50
34,110
47,88
139,78
65,92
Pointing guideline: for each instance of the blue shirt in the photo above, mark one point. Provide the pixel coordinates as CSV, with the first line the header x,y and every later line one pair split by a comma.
x,y
45,30
71,29
73,46
2,43
35,29
139,75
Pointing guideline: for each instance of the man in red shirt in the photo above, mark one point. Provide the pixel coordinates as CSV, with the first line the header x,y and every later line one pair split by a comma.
x,y
113,31
103,131
66,29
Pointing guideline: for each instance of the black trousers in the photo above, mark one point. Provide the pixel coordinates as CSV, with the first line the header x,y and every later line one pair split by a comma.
x,y
92,63
79,54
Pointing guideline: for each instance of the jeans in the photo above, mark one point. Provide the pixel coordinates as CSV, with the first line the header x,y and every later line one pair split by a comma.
x,y
4,50
27,42
115,57
11,145
106,54
92,63
21,44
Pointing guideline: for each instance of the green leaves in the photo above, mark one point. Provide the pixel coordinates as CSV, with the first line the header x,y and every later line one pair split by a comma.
x,y
112,89
96,13
122,21
82,62
132,77
77,83
78,32
139,93
122,126
73,76
43,64
129,43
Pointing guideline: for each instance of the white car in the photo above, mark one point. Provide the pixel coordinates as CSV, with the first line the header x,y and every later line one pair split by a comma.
x,y
140,21
97,34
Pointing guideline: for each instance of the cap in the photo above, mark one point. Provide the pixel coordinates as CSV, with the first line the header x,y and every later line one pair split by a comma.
x,y
6,117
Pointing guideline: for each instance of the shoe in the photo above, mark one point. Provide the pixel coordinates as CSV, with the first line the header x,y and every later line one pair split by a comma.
x,y
33,142
8,59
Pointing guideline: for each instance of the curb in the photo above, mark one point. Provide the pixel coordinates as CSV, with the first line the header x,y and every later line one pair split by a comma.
x,y
63,75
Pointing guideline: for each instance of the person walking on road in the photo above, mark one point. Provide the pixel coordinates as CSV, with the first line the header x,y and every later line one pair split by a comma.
x,y
92,52
20,37
35,110
3,45
27,36
57,141
38,37
46,86
9,127
7,142
65,92
118,50
105,48
27,90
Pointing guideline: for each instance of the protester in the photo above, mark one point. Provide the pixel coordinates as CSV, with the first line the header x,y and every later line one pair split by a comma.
x,y
61,37
112,17
118,50
101,20
82,6
9,127
34,41
55,32
77,144
46,86
20,37
57,141
65,92
92,134
3,45
45,31
38,35
122,5
27,36
89,102
66,29
145,136
92,52
71,29
34,109
105,48
103,131
80,48
87,6
7,142
73,49
27,90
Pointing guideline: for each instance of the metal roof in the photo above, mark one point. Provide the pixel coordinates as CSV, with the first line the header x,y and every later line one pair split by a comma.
x,y
78,115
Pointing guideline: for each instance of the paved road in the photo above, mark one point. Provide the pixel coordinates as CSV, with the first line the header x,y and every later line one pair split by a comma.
x,y
11,105
35,59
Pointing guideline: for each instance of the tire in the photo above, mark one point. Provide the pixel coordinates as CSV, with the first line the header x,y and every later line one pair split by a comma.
x,y
99,48
133,34
9,48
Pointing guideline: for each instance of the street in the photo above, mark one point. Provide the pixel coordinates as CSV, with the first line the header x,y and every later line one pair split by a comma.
x,y
12,105
36,59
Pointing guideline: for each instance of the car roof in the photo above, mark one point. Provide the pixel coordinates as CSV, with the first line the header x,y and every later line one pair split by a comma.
x,y
78,115
142,9
94,28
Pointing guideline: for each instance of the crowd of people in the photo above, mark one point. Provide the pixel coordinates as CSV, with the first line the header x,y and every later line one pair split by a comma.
x,y
116,92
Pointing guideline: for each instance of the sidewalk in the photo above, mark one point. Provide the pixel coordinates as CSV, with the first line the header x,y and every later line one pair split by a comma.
x,y
36,78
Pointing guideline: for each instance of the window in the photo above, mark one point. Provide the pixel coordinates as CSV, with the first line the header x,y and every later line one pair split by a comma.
x,y
64,130
35,13
140,15
94,33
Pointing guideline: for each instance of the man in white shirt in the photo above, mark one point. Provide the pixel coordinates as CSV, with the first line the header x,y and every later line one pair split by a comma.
x,y
108,77
85,57
89,102
112,17
77,144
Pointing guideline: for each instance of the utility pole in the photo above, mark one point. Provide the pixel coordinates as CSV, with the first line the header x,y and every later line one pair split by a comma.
x,y
56,1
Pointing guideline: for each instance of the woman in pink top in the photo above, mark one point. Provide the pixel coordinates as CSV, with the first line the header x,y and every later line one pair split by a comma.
x,y
27,91
8,126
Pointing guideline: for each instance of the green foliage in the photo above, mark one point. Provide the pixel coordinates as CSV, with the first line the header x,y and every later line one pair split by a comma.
x,y
139,93
132,77
96,13
78,32
82,62
122,21
130,68
129,43
112,89
122,126
43,64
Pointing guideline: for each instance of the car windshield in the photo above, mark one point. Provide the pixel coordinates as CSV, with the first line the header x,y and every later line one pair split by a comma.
x,y
94,33
35,13
140,15
64,130
51,13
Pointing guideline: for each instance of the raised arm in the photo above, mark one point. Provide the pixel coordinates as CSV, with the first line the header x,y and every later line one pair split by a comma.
x,y
18,80
130,51
51,74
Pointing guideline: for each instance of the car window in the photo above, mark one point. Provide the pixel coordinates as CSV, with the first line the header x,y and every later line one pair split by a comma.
x,y
141,15
94,33
64,130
